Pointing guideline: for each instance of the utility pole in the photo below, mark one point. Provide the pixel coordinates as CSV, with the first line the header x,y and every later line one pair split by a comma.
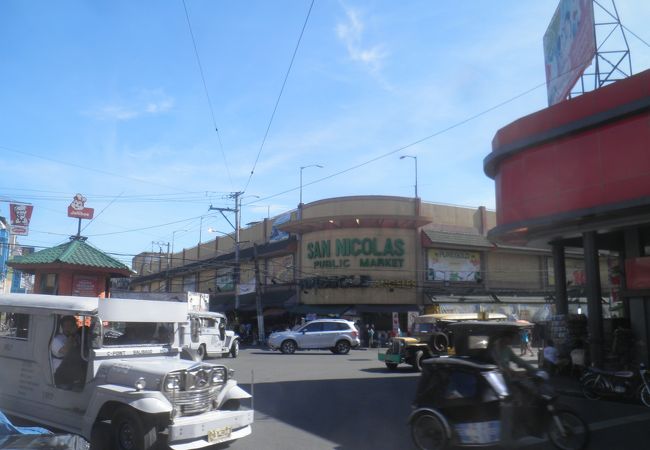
x,y
258,297
237,197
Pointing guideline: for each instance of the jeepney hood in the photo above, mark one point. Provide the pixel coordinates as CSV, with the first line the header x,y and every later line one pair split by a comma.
x,y
408,340
126,372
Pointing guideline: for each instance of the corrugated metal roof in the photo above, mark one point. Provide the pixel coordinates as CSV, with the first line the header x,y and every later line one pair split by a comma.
x,y
458,239
75,252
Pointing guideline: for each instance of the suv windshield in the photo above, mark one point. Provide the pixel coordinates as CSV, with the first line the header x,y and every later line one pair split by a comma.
x,y
137,333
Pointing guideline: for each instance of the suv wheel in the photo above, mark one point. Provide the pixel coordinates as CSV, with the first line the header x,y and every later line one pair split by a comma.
x,y
288,346
342,347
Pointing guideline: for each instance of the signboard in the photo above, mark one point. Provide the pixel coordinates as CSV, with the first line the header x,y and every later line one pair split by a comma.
x,y
224,281
84,286
198,302
280,269
276,233
569,47
20,215
366,252
78,209
453,265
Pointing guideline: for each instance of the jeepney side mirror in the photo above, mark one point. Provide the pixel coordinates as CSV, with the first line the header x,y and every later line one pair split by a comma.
x,y
222,330
194,329
96,333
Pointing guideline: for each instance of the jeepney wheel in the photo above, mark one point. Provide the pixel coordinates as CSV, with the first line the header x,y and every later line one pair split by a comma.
x,y
201,352
234,349
417,360
342,347
132,431
391,365
288,346
429,432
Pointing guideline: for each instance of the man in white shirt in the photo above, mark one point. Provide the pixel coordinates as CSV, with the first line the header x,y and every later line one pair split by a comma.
x,y
64,341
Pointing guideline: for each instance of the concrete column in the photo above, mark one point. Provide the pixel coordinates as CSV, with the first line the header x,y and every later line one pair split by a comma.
x,y
636,308
595,319
559,271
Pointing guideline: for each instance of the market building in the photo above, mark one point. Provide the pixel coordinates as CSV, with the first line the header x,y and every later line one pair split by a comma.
x,y
365,257
576,176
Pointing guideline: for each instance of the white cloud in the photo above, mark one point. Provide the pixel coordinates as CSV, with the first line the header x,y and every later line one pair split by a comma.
x,y
145,103
350,32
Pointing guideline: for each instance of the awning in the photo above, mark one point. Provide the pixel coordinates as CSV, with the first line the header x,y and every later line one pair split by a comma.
x,y
324,310
386,308
247,302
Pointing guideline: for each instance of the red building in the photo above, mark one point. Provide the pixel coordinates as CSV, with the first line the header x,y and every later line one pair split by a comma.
x,y
577,174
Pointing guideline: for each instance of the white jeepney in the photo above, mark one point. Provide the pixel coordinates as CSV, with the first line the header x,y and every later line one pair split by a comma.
x,y
208,336
124,386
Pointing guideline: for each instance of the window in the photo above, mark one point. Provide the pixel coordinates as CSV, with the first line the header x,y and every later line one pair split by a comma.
x,y
313,327
49,284
14,325
335,326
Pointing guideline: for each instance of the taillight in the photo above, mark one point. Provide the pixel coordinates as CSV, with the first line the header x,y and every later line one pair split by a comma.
x,y
355,334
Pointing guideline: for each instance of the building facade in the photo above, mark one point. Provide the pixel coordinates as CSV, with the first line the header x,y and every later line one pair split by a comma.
x,y
367,257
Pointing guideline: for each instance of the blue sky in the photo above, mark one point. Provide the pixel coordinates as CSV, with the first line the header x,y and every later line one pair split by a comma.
x,y
105,98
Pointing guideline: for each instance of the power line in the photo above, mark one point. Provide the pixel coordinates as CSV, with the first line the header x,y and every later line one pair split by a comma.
x,y
277,102
404,147
205,89
91,169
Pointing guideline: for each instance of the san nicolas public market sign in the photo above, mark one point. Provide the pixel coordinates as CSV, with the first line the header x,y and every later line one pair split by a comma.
x,y
367,253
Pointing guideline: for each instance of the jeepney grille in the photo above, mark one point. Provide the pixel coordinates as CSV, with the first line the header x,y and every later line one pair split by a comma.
x,y
395,346
196,395
189,403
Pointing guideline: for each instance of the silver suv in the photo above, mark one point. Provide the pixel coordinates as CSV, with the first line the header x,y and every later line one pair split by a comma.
x,y
337,335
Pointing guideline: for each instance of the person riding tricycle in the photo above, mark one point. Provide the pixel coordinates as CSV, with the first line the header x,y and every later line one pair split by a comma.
x,y
486,395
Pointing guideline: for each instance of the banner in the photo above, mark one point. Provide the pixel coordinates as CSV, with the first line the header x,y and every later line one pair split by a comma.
x,y
453,265
20,215
569,47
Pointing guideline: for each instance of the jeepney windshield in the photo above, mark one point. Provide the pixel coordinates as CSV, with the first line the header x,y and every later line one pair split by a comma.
x,y
137,333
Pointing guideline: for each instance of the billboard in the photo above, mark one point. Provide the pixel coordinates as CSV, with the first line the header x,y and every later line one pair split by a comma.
x,y
569,47
20,214
453,265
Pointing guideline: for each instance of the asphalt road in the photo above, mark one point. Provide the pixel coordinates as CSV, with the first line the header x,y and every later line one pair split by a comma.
x,y
317,400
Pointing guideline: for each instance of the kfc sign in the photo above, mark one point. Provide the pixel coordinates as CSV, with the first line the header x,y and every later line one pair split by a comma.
x,y
20,215
77,208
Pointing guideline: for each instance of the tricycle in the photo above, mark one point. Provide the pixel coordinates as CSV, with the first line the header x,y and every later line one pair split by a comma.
x,y
460,399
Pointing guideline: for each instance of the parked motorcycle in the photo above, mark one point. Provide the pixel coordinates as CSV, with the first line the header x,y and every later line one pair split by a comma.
x,y
599,383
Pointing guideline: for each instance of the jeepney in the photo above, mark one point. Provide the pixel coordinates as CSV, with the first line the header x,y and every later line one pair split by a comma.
x,y
430,336
208,336
131,389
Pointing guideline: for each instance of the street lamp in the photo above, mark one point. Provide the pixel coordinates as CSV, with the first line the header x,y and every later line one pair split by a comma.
x,y
415,158
173,236
301,169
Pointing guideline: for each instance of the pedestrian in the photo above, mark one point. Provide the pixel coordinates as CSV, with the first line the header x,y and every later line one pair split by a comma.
x,y
371,336
524,343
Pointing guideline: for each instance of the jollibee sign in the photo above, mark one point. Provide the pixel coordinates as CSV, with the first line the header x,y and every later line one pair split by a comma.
x,y
78,209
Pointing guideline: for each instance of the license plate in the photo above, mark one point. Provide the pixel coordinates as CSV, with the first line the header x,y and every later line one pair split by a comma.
x,y
219,435
479,432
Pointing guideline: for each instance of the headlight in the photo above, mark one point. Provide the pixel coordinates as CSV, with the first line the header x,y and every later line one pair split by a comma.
x,y
172,382
219,375
140,384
